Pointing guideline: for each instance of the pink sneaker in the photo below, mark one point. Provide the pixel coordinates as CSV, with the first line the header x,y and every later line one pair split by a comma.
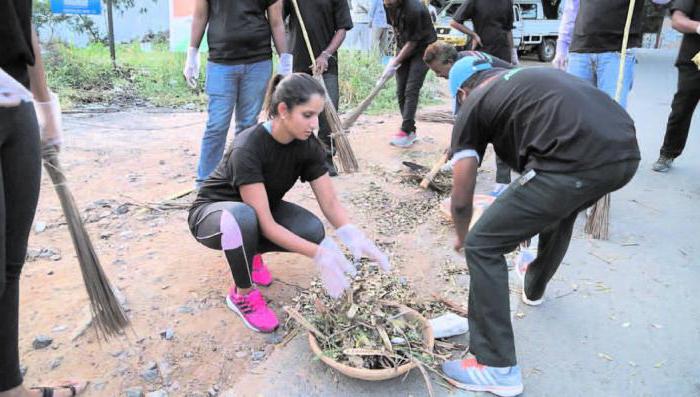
x,y
253,310
261,276
403,139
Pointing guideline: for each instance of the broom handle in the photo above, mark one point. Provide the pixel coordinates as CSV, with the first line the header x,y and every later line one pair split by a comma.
x,y
305,34
433,171
623,51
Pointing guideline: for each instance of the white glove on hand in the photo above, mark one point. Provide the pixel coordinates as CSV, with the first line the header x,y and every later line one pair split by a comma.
x,y
514,57
48,115
191,70
12,93
389,70
361,246
286,63
560,61
332,265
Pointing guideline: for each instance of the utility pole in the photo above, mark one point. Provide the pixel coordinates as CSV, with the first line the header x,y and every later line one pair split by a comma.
x,y
110,25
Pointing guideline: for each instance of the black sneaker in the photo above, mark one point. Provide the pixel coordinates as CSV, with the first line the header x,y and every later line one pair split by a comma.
x,y
332,171
663,164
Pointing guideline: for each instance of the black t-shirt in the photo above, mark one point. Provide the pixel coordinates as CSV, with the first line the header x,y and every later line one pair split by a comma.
x,y
256,157
239,31
600,26
545,119
16,38
322,18
493,20
411,22
691,41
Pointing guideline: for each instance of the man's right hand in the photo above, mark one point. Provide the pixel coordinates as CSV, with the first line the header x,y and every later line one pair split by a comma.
x,y
191,70
560,61
476,41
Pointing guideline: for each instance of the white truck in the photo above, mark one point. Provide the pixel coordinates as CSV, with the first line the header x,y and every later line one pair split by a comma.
x,y
535,29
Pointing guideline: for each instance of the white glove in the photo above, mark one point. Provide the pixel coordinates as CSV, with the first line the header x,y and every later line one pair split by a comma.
x,y
389,70
560,61
332,265
514,57
286,63
48,115
191,70
12,92
361,246
449,324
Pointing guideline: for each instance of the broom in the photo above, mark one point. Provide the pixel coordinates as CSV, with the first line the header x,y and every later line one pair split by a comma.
x,y
599,219
107,313
357,112
348,162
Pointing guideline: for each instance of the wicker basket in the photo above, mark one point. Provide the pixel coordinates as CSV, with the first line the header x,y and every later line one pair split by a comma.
x,y
379,374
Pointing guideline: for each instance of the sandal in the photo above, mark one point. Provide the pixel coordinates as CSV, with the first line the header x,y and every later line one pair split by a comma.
x,y
47,391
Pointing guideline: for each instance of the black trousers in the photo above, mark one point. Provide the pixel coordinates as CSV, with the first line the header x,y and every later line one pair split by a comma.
x,y
205,225
546,205
20,176
682,108
409,81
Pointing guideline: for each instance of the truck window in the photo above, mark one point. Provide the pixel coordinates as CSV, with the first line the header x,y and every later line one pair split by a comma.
x,y
528,11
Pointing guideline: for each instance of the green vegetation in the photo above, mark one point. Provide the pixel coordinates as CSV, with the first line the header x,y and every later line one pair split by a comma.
x,y
153,77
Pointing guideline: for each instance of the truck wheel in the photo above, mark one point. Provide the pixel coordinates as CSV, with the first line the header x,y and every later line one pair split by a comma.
x,y
547,50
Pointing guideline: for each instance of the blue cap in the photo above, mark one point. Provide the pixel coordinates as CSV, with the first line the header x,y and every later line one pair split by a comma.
x,y
466,67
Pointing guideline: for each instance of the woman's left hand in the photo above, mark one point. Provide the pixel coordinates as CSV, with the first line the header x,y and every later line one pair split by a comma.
x,y
361,246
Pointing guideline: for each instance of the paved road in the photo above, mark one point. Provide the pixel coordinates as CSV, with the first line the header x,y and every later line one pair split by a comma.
x,y
622,316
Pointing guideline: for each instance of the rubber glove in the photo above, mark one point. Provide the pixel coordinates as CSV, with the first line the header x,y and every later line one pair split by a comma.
x,y
332,265
389,70
361,246
12,93
286,63
48,115
191,70
514,57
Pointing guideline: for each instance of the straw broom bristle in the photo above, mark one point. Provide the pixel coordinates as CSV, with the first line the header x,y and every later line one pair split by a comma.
x,y
599,219
108,315
339,141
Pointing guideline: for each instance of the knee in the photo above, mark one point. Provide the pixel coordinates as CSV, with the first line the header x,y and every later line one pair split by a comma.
x,y
245,217
312,230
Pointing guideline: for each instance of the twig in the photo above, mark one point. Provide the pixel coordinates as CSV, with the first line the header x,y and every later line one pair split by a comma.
x,y
454,306
426,377
303,322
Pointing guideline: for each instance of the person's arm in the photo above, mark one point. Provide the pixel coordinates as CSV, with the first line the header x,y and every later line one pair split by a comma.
x,y
199,22
682,23
463,184
274,16
566,30
463,13
255,195
325,55
327,199
37,74
406,52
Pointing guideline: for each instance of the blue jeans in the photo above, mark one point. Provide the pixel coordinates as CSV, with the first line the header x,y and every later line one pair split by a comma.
x,y
229,87
602,69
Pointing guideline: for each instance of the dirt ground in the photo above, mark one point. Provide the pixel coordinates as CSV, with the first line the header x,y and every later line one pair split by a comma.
x,y
116,164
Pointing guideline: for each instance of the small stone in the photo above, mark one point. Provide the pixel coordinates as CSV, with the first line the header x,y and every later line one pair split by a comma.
x,y
149,375
211,392
161,162
33,254
42,341
118,353
122,209
157,393
39,226
189,354
56,257
119,262
105,235
134,392
59,328
258,355
185,310
56,363
274,338
151,365
50,273
168,334
98,384
241,354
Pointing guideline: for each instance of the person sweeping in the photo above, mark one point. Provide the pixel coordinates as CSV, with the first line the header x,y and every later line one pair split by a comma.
x,y
572,144
240,208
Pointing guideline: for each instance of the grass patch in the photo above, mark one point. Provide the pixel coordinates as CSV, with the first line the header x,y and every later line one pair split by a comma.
x,y
84,76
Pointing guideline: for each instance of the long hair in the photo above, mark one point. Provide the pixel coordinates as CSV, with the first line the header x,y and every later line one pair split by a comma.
x,y
292,90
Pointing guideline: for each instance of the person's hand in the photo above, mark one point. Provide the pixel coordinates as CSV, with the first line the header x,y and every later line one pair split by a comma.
x,y
476,41
389,70
514,57
322,63
48,115
560,61
361,246
459,245
332,265
191,69
286,63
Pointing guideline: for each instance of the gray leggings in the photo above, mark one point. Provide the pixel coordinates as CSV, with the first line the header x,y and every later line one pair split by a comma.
x,y
205,225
